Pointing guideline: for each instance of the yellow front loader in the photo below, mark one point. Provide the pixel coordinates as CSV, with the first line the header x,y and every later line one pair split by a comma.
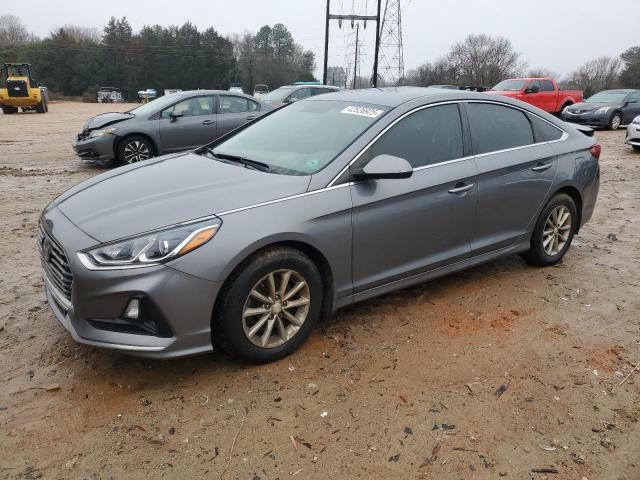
x,y
20,90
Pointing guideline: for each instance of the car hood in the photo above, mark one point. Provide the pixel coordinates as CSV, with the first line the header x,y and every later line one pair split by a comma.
x,y
105,119
588,107
168,190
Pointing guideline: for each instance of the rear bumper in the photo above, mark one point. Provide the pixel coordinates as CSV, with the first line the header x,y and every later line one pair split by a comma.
x,y
99,148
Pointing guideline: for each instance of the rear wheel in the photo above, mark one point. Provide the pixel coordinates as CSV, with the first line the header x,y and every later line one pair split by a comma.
x,y
636,148
268,306
615,122
553,232
134,149
41,107
8,110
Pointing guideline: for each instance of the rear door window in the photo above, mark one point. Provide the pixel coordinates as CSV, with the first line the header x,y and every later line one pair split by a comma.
x,y
233,104
546,86
497,127
428,136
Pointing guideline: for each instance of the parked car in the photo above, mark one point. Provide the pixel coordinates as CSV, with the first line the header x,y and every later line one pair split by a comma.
x,y
260,90
236,89
172,123
609,108
109,95
633,134
246,242
539,92
293,93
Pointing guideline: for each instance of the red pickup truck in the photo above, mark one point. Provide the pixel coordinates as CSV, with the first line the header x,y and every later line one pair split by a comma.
x,y
540,92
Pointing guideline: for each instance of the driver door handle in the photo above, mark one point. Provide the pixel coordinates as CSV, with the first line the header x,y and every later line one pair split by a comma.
x,y
541,168
208,122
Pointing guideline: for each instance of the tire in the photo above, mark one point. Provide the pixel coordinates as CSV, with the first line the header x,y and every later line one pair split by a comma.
x,y
41,107
9,110
540,253
134,149
232,327
615,122
636,148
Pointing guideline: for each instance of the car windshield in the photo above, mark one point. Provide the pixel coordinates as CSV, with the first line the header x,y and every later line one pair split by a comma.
x,y
277,95
155,105
607,97
510,85
303,137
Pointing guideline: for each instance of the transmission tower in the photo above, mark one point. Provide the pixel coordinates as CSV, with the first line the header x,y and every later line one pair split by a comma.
x,y
391,51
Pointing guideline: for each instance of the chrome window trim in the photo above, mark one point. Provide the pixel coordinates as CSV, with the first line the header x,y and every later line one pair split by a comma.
x,y
564,136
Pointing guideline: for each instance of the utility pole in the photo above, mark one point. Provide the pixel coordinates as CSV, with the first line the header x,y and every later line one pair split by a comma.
x,y
326,44
375,18
355,63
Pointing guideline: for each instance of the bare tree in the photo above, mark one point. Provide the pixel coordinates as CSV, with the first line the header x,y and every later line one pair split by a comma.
x,y
79,33
599,74
13,31
484,60
543,73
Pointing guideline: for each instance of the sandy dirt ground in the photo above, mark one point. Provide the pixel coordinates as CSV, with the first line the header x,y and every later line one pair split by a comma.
x,y
495,372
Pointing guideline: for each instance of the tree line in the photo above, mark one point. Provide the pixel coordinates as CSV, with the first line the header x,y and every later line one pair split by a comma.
x,y
483,61
74,60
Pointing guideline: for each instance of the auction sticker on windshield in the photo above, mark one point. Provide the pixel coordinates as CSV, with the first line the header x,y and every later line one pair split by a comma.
x,y
362,111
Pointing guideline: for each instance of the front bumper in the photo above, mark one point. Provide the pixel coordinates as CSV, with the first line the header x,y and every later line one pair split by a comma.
x,y
633,135
589,118
184,302
100,148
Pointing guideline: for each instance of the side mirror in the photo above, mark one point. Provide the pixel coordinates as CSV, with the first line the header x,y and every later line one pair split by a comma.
x,y
532,89
174,116
385,166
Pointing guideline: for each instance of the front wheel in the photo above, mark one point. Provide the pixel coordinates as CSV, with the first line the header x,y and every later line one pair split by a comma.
x,y
134,149
8,109
268,306
553,232
615,122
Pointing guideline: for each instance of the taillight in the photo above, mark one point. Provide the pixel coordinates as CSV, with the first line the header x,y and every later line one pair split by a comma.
x,y
596,150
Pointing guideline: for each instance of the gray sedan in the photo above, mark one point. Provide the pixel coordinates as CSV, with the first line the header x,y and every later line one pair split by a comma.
x,y
245,243
175,122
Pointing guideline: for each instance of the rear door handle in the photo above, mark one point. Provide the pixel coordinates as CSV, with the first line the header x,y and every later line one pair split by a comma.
x,y
461,189
208,122
541,168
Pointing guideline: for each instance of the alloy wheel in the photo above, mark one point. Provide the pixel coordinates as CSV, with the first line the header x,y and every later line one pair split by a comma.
x,y
616,121
277,306
557,229
136,151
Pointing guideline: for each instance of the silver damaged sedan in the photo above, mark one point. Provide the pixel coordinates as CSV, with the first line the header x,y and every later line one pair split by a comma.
x,y
245,243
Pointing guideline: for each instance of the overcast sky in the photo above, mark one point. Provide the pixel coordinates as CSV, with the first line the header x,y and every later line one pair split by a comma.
x,y
555,34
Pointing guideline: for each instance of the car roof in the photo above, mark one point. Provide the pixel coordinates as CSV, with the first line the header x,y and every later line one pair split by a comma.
x,y
621,90
196,93
395,96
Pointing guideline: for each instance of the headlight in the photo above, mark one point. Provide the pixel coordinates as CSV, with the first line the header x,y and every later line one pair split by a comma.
x,y
636,121
99,133
150,249
603,110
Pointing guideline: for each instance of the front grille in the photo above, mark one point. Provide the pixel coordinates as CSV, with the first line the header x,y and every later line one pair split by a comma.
x,y
55,264
17,88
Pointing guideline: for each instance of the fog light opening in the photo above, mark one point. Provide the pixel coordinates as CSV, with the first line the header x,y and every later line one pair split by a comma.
x,y
132,312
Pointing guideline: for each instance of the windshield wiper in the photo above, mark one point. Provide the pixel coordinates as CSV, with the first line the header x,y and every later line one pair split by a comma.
x,y
263,167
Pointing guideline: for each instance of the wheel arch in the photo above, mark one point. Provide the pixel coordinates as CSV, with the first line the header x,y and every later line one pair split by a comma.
x,y
316,256
576,196
146,136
